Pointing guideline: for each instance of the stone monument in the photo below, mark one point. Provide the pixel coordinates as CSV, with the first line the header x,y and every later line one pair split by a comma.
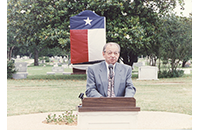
x,y
148,73
21,68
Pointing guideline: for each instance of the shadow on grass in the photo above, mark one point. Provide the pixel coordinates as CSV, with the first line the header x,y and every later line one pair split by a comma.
x,y
66,77
57,77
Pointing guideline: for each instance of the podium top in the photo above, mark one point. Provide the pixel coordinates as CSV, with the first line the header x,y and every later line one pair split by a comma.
x,y
108,104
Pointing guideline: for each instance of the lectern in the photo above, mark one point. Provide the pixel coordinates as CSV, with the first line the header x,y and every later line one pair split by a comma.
x,y
108,104
108,113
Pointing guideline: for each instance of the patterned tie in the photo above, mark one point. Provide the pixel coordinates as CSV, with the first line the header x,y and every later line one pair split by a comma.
x,y
111,81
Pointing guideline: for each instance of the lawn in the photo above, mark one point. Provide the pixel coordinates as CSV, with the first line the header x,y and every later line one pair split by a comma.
x,y
46,93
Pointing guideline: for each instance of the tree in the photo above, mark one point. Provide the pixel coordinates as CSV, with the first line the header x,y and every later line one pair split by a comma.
x,y
11,43
132,24
176,39
38,23
187,47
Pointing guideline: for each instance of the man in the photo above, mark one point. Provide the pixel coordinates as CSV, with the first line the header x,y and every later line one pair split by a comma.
x,y
98,84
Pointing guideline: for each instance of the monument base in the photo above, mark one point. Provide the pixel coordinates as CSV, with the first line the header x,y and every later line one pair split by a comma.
x,y
107,120
20,75
78,71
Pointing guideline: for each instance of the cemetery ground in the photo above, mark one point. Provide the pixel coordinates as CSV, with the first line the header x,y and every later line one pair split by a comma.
x,y
41,93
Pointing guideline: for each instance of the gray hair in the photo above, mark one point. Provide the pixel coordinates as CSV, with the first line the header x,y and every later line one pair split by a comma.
x,y
110,43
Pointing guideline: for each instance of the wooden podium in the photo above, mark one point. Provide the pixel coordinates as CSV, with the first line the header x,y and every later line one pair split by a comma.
x,y
108,113
108,104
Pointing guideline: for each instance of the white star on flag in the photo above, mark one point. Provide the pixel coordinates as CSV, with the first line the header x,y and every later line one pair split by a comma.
x,y
87,21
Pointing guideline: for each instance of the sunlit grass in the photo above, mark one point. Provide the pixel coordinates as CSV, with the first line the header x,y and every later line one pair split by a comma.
x,y
46,93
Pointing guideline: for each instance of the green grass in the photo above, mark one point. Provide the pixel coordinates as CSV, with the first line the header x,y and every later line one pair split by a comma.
x,y
46,93
171,95
33,96
40,72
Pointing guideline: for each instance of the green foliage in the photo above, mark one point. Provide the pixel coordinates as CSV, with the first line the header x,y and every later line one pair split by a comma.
x,y
170,74
46,58
67,118
132,24
176,38
10,69
39,24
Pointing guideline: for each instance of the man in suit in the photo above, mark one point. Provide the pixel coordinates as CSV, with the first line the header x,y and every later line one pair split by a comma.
x,y
98,84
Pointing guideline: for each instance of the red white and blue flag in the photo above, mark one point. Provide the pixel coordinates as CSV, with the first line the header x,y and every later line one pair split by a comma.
x,y
87,37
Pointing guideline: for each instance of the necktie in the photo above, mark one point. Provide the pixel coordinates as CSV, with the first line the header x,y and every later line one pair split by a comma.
x,y
111,86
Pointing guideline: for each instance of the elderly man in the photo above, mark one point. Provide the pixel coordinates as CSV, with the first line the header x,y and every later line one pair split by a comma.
x,y
99,82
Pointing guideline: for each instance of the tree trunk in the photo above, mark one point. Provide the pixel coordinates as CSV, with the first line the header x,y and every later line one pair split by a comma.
x,y
30,55
183,64
9,53
134,58
129,59
36,53
159,65
173,65
152,60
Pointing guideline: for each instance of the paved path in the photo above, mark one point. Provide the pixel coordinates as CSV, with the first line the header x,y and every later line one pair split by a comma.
x,y
146,120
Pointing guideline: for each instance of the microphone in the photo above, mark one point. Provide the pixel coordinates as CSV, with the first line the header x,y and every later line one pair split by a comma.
x,y
110,67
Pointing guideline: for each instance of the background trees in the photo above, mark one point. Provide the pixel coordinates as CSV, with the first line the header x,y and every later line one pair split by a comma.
x,y
38,24
133,24
136,25
176,38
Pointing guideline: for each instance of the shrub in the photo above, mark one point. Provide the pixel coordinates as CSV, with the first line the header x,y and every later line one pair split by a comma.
x,y
66,118
46,58
10,69
170,74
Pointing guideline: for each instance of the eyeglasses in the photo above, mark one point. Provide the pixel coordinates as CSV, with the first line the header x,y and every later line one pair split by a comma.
x,y
110,53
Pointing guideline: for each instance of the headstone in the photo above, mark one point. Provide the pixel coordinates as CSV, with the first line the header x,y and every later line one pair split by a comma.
x,y
186,71
180,63
51,58
43,61
70,66
65,66
56,65
25,57
58,69
143,63
21,68
50,73
138,64
18,56
148,73
187,64
55,57
65,59
59,63
67,73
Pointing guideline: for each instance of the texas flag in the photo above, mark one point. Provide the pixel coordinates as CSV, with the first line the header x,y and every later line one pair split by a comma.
x,y
87,37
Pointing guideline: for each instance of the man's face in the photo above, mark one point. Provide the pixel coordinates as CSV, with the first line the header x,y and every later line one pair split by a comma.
x,y
111,54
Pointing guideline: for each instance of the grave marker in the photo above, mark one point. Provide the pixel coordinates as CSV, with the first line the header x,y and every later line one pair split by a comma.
x,y
21,68
148,73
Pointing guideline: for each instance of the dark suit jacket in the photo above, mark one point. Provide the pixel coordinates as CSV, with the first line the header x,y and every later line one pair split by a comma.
x,y
97,81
